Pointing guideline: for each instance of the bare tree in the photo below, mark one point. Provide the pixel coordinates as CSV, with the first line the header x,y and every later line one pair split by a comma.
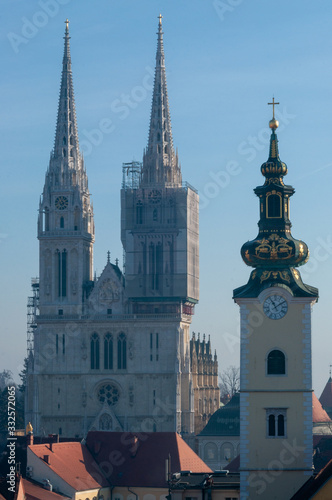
x,y
229,382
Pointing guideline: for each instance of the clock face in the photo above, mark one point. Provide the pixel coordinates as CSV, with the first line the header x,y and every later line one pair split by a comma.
x,y
61,202
275,307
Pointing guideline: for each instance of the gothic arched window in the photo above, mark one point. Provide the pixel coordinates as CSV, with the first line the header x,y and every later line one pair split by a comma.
x,y
62,222
94,351
276,363
122,352
108,352
61,264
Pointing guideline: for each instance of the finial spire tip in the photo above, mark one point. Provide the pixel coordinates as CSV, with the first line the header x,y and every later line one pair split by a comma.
x,y
273,124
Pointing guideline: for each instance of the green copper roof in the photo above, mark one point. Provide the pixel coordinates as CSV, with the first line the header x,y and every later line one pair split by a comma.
x,y
225,421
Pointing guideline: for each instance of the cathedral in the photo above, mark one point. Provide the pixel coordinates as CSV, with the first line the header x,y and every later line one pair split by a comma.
x,y
115,352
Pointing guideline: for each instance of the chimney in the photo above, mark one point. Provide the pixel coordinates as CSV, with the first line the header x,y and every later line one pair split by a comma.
x,y
46,459
51,446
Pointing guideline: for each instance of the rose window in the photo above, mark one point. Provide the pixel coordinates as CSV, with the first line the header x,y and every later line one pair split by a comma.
x,y
109,393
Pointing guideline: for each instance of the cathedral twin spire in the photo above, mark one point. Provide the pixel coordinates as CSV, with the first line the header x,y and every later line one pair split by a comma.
x,y
160,164
66,138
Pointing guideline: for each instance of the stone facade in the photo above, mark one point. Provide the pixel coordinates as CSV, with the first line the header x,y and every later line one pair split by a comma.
x,y
114,353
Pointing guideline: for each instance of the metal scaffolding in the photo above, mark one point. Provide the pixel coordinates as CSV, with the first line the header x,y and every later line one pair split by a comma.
x,y
33,310
131,175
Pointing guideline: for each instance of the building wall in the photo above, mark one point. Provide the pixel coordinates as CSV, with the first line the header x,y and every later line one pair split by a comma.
x,y
263,458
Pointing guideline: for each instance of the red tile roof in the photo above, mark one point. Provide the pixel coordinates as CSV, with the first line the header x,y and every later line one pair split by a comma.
x,y
318,414
326,397
73,463
31,491
139,460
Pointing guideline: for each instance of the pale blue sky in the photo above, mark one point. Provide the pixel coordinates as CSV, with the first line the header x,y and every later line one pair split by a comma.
x,y
225,60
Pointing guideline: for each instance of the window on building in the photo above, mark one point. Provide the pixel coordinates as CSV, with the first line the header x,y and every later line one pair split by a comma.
x,y
94,351
122,352
61,262
63,344
62,222
108,352
276,363
276,422
57,344
273,206
210,452
227,452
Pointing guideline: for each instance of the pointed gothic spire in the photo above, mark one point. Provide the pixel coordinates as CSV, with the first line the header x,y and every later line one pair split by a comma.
x,y
160,163
66,145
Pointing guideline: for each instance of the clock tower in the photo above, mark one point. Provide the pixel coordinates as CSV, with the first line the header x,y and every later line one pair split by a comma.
x,y
275,384
65,223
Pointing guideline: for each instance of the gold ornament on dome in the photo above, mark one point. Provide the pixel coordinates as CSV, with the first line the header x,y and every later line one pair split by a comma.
x,y
284,275
274,247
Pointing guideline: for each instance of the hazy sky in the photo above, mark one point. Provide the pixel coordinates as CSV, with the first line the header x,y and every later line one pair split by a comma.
x,y
225,59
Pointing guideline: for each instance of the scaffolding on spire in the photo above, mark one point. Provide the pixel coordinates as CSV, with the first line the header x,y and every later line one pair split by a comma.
x,y
33,311
131,175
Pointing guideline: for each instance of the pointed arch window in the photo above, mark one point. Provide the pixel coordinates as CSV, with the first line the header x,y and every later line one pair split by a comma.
x,y
108,352
122,352
159,265
62,222
276,363
61,272
64,141
94,351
